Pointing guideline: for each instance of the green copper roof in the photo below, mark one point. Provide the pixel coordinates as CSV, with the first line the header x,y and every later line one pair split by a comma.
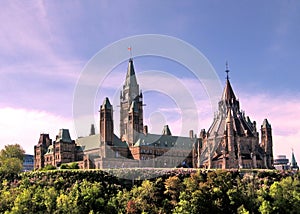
x,y
93,142
64,135
89,142
164,141
294,162
49,150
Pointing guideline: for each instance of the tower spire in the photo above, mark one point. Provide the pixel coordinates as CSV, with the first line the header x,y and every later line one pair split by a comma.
x,y
131,103
130,75
294,164
227,71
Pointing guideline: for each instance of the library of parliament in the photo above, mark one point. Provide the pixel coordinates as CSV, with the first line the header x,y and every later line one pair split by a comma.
x,y
231,142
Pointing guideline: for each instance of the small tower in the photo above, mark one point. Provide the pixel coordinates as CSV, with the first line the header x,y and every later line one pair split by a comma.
x,y
230,140
267,143
106,123
92,131
294,165
133,123
40,149
63,148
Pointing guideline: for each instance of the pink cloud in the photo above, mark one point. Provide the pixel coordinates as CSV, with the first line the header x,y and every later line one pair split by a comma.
x,y
283,112
24,126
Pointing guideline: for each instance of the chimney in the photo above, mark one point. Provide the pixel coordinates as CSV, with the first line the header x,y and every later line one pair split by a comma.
x,y
202,134
145,130
191,134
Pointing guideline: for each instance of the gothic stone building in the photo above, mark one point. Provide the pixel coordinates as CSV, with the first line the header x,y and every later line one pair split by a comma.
x,y
134,148
232,141
62,150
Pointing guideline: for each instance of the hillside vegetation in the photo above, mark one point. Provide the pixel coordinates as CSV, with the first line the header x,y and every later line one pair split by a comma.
x,y
174,191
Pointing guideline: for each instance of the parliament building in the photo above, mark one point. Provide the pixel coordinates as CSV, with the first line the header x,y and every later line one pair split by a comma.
x,y
231,142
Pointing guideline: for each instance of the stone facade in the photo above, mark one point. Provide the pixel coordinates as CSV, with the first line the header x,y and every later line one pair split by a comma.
x,y
134,148
62,150
232,141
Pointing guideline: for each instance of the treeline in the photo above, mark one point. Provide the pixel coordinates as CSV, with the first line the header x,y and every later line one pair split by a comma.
x,y
174,191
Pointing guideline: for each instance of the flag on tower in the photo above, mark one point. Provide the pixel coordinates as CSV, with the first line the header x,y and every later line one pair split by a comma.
x,y
129,49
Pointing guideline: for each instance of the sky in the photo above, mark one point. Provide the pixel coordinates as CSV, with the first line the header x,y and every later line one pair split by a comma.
x,y
46,45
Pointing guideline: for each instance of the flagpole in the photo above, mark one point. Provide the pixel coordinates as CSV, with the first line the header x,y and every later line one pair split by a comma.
x,y
130,50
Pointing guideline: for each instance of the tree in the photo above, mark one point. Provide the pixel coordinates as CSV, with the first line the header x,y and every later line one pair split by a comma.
x,y
11,159
283,195
12,151
173,187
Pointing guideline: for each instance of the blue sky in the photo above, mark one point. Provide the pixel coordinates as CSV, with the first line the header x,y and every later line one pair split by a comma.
x,y
44,46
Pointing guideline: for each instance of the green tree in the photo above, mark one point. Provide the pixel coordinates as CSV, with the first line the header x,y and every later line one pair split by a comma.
x,y
285,195
7,196
12,151
23,202
65,205
11,159
50,196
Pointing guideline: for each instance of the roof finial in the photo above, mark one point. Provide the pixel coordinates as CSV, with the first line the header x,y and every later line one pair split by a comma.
x,y
227,71
129,49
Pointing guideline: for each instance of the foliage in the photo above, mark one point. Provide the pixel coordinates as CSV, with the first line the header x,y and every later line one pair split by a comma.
x,y
11,159
48,167
175,191
12,151
73,165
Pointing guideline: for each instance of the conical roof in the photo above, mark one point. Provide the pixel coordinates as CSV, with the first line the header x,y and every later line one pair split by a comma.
x,y
106,104
130,75
166,130
266,124
228,93
294,162
130,88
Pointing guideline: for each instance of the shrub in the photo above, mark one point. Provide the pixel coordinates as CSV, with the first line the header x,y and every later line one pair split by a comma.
x,y
48,167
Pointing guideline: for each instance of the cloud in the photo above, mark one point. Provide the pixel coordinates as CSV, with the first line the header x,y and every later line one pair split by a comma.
x,y
24,126
282,112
